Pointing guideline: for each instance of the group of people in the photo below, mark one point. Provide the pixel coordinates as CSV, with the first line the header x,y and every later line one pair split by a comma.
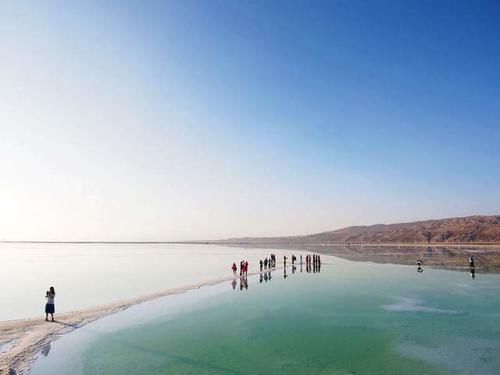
x,y
267,263
243,268
312,263
312,259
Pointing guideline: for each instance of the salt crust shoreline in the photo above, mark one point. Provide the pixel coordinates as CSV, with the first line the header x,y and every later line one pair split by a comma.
x,y
22,340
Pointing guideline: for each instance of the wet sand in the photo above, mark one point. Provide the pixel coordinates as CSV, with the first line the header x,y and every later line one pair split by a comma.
x,y
22,340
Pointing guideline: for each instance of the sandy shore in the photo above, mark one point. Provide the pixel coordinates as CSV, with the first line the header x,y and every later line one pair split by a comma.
x,y
22,340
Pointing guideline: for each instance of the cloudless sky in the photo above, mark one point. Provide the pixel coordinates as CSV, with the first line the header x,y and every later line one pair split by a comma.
x,y
176,120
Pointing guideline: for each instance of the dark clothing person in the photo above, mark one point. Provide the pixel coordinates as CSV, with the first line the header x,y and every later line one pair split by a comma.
x,y
50,307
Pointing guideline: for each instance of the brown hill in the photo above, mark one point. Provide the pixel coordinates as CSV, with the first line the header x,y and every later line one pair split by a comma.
x,y
471,229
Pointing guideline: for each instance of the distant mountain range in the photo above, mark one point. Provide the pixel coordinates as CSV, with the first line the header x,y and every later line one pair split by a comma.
x,y
471,229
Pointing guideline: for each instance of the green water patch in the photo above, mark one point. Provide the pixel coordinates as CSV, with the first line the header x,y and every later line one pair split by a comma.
x,y
349,319
216,344
260,333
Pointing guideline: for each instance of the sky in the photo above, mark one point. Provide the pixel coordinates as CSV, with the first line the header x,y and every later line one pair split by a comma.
x,y
189,120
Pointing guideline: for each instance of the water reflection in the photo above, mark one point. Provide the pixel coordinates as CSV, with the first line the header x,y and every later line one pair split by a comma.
x,y
486,257
46,350
473,272
419,265
243,282
312,265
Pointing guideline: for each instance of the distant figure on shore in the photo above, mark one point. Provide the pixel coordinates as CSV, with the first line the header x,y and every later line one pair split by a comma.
x,y
284,260
301,260
472,267
294,258
419,262
265,263
50,307
272,263
234,268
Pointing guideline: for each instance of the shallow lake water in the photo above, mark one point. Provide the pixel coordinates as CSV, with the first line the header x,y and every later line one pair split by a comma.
x,y
85,275
349,318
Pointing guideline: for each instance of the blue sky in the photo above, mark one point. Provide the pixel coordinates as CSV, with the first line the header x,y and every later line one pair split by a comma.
x,y
208,119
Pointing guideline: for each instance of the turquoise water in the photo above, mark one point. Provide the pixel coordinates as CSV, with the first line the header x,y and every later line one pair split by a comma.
x,y
350,318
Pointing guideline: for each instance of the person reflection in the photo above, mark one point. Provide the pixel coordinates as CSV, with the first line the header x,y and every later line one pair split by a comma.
x,y
261,278
419,269
294,268
46,350
284,273
269,275
243,282
233,284
473,273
